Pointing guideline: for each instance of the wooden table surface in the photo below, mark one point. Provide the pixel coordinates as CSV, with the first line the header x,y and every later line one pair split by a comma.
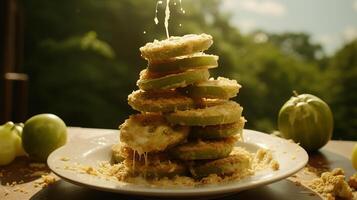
x,y
335,154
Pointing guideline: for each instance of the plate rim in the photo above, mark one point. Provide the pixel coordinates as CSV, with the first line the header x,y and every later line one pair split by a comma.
x,y
184,191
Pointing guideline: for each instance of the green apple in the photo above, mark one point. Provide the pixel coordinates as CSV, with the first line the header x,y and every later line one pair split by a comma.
x,y
42,134
307,120
8,143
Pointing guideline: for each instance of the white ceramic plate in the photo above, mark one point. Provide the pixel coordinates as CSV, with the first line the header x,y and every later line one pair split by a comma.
x,y
88,149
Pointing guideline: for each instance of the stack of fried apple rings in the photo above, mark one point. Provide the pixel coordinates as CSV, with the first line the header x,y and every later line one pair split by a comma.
x,y
187,125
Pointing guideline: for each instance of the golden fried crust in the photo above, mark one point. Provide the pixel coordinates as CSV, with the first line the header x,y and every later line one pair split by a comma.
x,y
149,165
164,101
221,88
218,131
118,153
159,51
204,149
150,133
160,169
228,112
124,152
208,144
234,163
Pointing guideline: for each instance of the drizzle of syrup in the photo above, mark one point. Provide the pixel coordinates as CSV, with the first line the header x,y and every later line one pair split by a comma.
x,y
167,17
167,14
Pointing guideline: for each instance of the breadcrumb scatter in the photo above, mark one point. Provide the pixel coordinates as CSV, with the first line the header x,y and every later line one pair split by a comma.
x,y
262,159
331,185
45,181
120,172
12,184
6,192
274,165
20,189
90,170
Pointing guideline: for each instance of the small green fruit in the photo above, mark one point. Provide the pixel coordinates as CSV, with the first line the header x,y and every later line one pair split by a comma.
x,y
307,120
8,142
42,134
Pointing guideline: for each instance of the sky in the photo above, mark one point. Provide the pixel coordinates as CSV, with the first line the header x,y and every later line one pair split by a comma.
x,y
330,22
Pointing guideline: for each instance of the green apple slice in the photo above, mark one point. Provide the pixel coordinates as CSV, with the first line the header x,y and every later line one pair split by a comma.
x,y
236,163
225,113
171,81
200,61
221,88
164,101
204,149
218,131
204,103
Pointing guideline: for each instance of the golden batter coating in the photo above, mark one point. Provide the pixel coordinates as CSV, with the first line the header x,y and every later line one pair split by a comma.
x,y
151,133
204,149
158,51
228,112
161,101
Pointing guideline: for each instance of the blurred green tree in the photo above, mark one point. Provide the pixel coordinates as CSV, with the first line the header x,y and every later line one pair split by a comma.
x,y
298,45
83,60
342,85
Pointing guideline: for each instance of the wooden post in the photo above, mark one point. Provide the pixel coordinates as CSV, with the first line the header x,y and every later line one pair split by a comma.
x,y
17,82
13,85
